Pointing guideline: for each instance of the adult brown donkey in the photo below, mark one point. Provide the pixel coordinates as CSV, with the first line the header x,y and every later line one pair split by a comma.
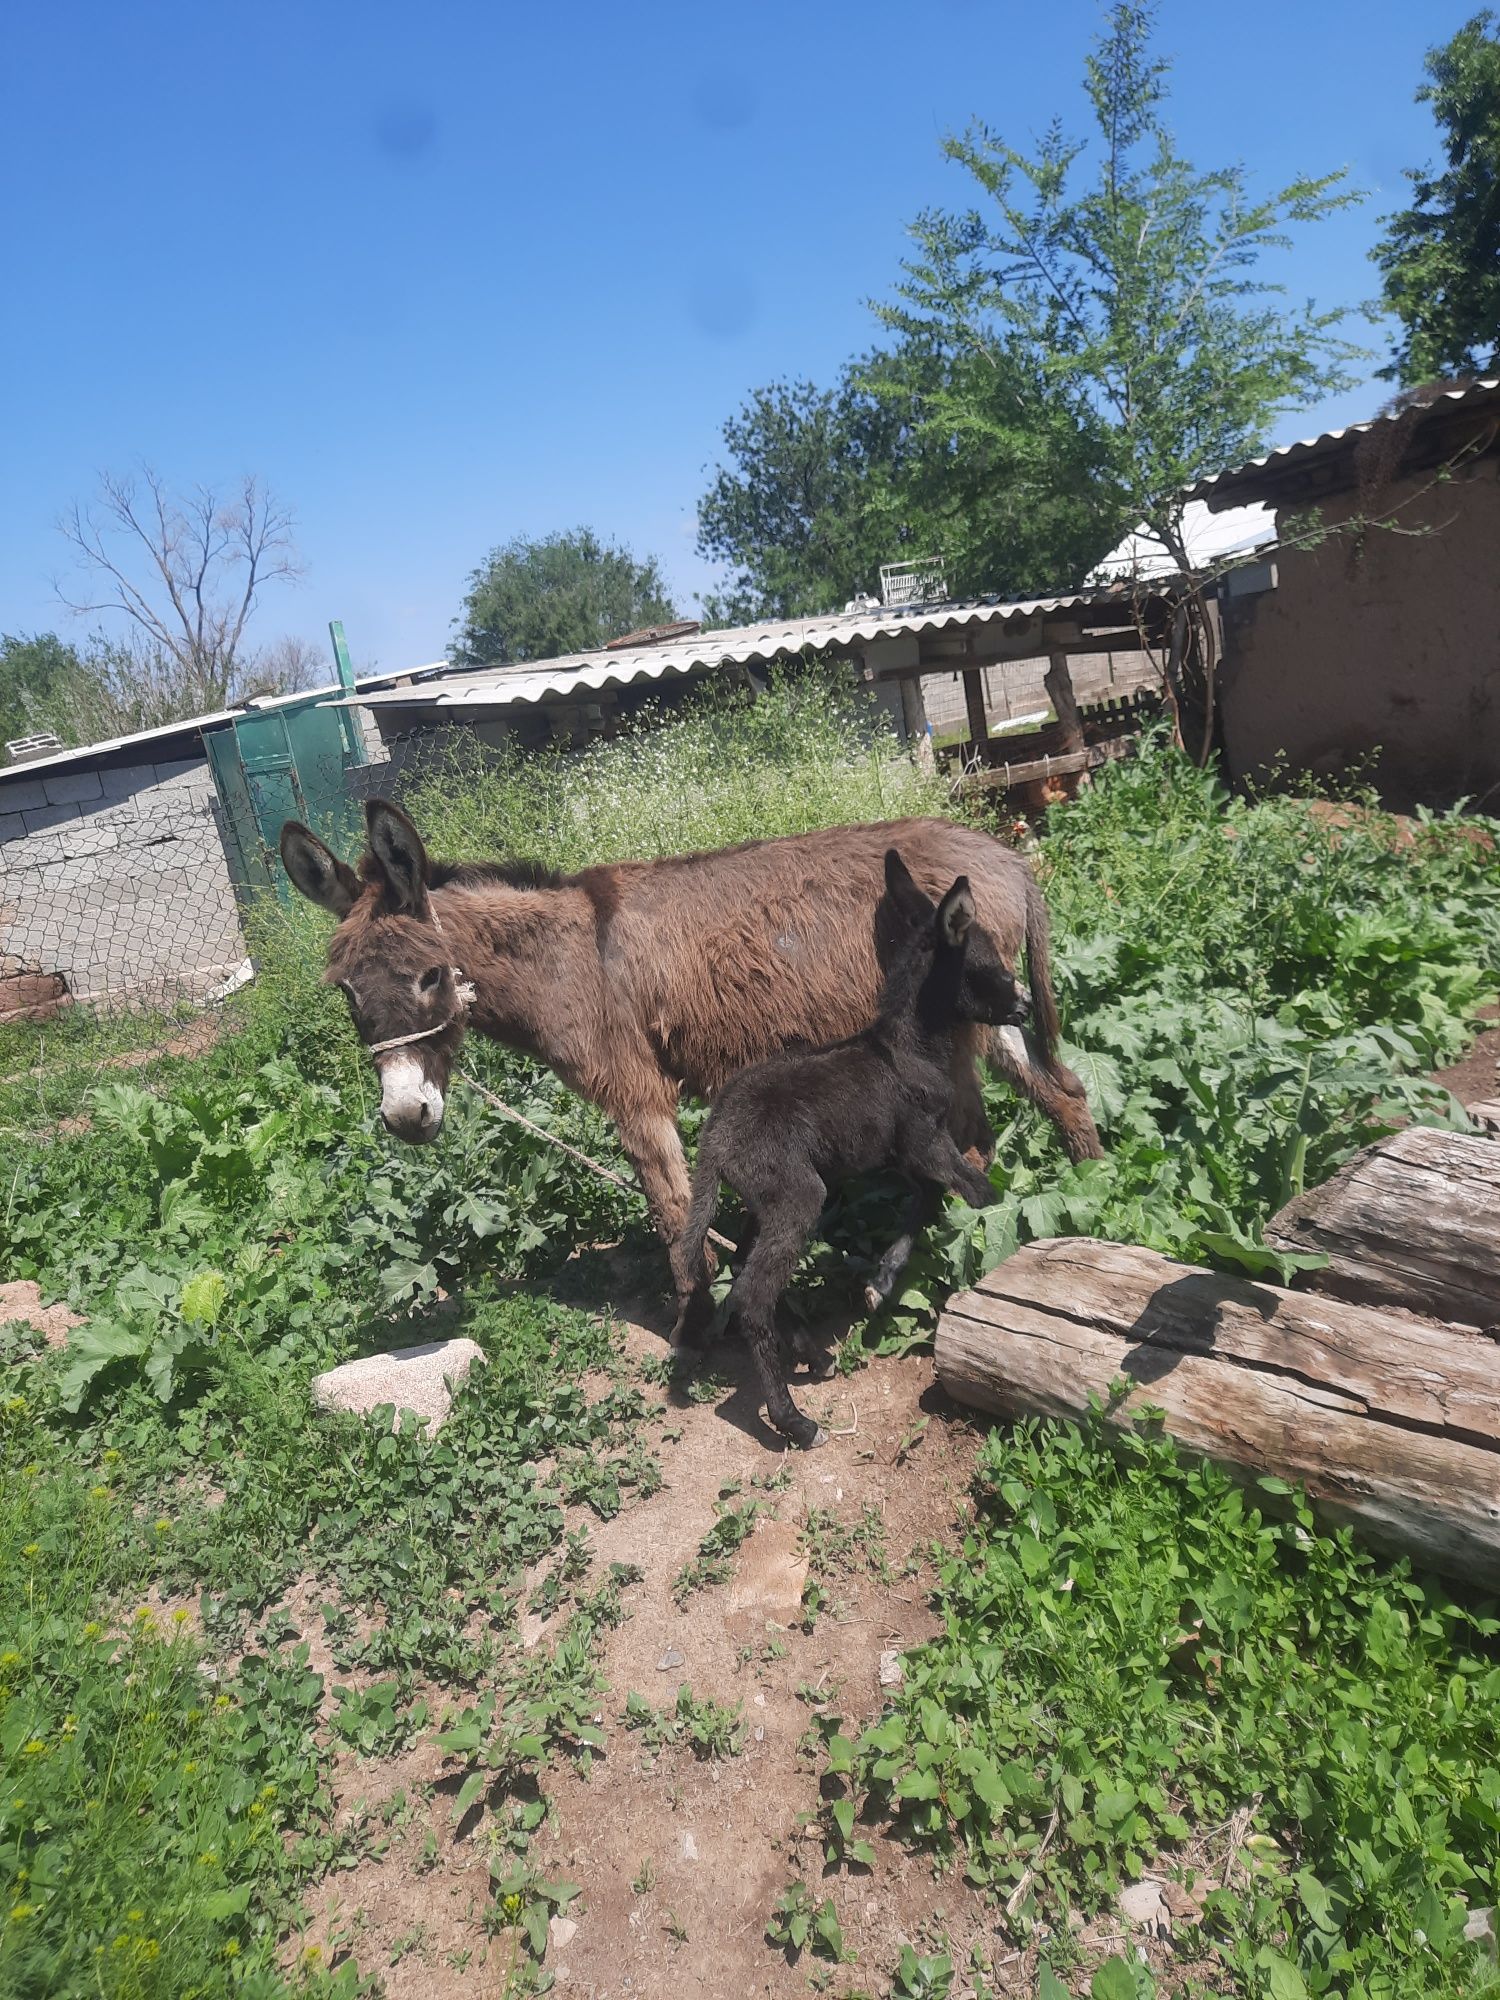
x,y
638,980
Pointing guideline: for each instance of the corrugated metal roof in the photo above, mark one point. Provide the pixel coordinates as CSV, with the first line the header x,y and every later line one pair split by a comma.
x,y
1327,442
700,652
191,725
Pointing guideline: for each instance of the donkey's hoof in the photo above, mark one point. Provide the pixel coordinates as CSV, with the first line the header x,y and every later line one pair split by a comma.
x,y
874,1298
814,1436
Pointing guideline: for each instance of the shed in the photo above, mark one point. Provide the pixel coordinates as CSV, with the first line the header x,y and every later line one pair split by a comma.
x,y
960,668
123,863
1377,644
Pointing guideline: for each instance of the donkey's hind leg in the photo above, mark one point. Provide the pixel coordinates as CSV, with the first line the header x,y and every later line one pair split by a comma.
x,y
785,1223
921,1209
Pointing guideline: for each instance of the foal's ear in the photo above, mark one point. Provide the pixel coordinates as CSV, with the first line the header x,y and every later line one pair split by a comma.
x,y
397,847
915,907
956,913
316,870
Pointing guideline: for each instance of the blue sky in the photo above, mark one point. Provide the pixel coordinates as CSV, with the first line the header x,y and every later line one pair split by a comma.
x,y
444,274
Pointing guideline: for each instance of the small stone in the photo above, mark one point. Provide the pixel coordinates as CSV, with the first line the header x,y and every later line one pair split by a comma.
x,y
760,1701
1181,1901
760,1732
669,1659
1480,1929
531,1629
689,1848
1143,1906
561,1932
890,1667
419,1378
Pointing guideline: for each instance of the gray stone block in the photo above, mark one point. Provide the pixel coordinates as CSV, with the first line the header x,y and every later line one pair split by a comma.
x,y
38,819
66,788
184,767
127,779
12,827
21,794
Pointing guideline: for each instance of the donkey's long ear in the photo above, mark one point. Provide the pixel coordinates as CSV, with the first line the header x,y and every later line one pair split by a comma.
x,y
915,907
397,847
956,913
316,870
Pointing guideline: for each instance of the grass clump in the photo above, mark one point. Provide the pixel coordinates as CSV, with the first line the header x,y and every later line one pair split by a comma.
x,y
1137,1655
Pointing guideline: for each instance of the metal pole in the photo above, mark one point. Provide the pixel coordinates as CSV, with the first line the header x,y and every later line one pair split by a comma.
x,y
354,736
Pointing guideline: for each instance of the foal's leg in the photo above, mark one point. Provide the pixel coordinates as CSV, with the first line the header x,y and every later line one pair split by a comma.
x,y
933,1156
785,1222
921,1209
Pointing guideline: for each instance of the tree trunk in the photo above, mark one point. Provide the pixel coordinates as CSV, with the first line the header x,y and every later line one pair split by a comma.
x,y
1058,681
1412,1221
1391,1423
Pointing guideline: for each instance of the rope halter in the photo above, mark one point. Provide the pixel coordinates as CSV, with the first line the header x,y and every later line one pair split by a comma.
x,y
463,988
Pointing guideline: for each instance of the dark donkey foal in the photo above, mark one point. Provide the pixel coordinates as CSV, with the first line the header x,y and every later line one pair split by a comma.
x,y
786,1130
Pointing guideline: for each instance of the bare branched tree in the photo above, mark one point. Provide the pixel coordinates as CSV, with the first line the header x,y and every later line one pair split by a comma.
x,y
187,573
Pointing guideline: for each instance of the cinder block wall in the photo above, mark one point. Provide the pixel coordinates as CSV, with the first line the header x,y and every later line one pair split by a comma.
x,y
117,880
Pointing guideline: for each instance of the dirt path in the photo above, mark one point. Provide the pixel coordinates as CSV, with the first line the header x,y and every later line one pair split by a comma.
x,y
680,1858
1476,1079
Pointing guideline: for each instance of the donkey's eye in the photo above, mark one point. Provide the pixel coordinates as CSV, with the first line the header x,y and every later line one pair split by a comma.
x,y
430,978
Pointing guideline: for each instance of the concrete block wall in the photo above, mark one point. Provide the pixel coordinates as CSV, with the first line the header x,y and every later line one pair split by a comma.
x,y
117,880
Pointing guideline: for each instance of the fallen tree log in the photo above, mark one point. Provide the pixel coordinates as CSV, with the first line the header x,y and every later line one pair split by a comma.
x,y
1391,1423
1412,1221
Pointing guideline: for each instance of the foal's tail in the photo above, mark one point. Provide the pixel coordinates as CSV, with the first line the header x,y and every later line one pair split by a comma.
x,y
1045,1027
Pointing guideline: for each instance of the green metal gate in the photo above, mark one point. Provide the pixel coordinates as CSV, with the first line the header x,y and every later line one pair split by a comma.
x,y
288,762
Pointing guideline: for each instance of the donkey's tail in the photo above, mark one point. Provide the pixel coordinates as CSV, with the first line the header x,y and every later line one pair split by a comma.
x,y
1045,1027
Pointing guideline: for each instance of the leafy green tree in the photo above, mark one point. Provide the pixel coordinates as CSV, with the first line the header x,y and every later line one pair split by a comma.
x,y
1440,258
1128,283
535,599
916,451
32,667
1134,297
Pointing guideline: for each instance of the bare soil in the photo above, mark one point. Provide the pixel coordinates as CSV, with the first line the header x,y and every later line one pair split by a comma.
x,y
709,1845
21,1301
1476,1079
680,1859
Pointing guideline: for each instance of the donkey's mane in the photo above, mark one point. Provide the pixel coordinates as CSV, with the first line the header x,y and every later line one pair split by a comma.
x,y
481,874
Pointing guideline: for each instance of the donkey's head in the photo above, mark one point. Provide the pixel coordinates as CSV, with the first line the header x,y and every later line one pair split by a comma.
x,y
945,943
392,960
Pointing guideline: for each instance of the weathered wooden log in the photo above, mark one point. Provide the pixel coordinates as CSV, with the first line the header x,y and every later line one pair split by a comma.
x,y
1391,1423
1413,1221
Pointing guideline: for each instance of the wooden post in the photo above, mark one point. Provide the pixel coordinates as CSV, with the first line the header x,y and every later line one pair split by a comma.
x,y
1058,681
979,728
914,714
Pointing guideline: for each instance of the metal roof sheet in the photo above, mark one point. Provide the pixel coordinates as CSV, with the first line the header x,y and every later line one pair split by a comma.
x,y
191,725
746,645
1327,442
